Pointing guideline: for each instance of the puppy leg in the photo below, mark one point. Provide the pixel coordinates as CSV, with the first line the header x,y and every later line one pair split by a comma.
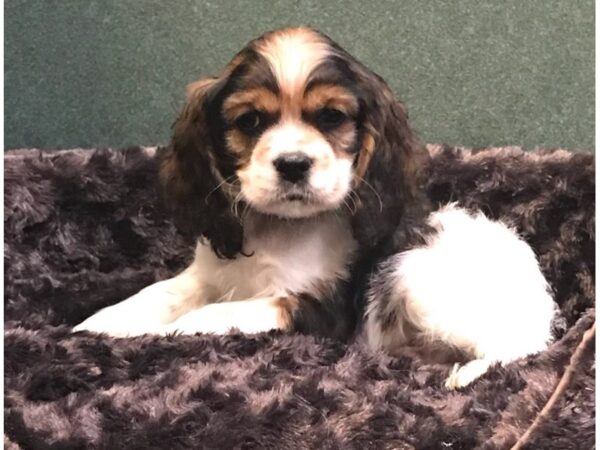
x,y
247,316
151,308
461,376
475,287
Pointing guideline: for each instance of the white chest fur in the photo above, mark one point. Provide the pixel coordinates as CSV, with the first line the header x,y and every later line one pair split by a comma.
x,y
288,256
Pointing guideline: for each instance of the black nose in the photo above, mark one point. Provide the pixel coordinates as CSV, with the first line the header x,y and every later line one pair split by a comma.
x,y
293,166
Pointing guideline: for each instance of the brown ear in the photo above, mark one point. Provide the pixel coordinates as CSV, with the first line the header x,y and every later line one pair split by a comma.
x,y
192,180
387,166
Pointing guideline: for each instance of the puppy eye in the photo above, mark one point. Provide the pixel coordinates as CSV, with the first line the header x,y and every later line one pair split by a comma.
x,y
251,122
328,119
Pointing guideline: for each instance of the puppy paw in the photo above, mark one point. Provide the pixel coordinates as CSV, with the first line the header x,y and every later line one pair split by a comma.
x,y
113,325
463,376
96,325
250,316
205,320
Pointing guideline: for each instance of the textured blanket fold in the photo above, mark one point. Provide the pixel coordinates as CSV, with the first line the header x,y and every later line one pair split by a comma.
x,y
85,229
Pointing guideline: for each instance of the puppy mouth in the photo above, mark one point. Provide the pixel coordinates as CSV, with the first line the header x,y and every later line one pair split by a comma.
x,y
296,194
292,202
296,197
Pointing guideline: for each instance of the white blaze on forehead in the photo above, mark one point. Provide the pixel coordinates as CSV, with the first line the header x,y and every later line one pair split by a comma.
x,y
286,137
293,54
290,136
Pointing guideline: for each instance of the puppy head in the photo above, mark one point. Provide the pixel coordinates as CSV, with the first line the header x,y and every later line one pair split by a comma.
x,y
294,126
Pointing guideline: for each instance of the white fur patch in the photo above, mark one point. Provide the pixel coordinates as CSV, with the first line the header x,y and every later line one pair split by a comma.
x,y
151,308
299,256
248,316
293,54
295,256
476,286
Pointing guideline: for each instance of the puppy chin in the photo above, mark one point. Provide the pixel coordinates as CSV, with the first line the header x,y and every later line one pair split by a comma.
x,y
294,206
293,209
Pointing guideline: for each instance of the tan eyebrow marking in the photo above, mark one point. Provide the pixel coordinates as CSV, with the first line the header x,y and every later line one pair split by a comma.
x,y
259,98
332,96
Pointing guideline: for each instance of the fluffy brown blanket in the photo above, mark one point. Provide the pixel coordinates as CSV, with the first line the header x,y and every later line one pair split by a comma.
x,y
84,229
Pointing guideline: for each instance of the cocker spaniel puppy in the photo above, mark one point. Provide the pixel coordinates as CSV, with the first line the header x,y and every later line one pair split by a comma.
x,y
299,174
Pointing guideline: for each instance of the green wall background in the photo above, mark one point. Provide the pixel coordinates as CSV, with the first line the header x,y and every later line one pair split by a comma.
x,y
90,73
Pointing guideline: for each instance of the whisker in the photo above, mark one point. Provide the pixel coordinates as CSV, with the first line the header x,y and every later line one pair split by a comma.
x,y
374,191
355,196
246,208
355,199
352,210
226,180
234,205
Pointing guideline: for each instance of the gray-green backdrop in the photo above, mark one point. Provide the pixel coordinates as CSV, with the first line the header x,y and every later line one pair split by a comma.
x,y
83,73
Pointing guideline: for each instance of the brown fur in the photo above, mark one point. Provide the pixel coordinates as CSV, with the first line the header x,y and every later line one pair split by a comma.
x,y
257,98
286,307
331,96
364,157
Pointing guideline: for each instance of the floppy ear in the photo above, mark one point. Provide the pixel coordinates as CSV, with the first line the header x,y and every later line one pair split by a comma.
x,y
387,167
191,179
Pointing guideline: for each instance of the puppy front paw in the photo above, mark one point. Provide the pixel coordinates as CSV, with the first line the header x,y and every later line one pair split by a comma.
x,y
100,325
114,325
250,316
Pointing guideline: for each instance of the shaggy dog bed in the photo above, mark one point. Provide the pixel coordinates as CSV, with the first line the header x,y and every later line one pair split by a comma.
x,y
84,229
